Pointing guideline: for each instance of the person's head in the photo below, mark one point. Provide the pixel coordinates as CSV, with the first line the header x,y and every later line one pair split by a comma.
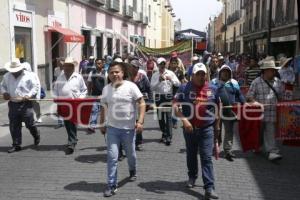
x,y
69,66
253,62
15,67
173,64
60,62
268,69
225,73
91,60
214,63
174,54
134,67
161,62
99,64
117,72
284,62
195,59
199,74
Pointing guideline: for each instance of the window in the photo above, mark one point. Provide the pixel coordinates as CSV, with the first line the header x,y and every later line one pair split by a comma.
x,y
109,46
149,10
134,5
23,44
118,45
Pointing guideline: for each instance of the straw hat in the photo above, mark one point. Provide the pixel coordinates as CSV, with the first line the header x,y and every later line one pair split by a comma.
x,y
14,66
283,61
70,60
268,64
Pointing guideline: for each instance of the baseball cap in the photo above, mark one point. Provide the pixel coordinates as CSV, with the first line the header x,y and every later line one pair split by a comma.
x,y
160,60
199,67
135,63
194,58
92,57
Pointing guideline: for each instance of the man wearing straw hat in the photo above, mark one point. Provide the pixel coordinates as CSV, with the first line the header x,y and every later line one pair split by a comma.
x,y
287,77
19,87
70,84
267,90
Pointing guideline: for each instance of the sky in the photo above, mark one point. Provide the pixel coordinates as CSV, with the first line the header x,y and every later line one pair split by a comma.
x,y
195,13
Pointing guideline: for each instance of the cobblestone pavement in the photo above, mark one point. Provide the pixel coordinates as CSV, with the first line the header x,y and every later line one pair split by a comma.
x,y
45,172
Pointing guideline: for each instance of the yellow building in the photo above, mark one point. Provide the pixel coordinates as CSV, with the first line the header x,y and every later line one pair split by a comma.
x,y
167,24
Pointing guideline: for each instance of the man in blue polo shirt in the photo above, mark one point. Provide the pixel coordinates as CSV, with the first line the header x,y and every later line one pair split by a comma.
x,y
199,107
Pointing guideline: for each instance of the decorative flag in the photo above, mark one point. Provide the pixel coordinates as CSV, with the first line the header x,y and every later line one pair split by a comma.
x,y
77,111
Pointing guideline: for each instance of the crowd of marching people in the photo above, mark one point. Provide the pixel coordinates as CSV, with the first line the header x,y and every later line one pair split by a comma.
x,y
127,87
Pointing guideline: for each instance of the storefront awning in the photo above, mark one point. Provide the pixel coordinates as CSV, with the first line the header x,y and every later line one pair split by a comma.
x,y
69,35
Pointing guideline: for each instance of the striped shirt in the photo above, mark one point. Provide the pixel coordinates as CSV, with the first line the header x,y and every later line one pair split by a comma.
x,y
251,74
262,93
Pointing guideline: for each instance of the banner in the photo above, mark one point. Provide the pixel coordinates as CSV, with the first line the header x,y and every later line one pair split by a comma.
x,y
183,49
77,111
288,120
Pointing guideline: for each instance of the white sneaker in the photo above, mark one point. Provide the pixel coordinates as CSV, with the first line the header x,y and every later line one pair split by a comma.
x,y
274,156
39,120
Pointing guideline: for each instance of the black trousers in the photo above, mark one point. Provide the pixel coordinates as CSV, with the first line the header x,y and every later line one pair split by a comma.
x,y
164,116
21,112
72,133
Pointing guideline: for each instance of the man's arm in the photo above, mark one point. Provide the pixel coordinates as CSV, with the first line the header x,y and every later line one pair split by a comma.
x,y
102,118
188,127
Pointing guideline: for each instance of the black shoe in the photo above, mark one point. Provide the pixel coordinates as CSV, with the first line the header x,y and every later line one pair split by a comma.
x,y
163,140
14,149
191,183
91,130
37,140
168,141
69,150
229,156
110,190
210,194
132,175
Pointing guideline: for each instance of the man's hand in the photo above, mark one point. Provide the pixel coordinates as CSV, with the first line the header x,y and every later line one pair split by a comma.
x,y
6,96
162,78
139,128
187,126
103,130
168,78
26,98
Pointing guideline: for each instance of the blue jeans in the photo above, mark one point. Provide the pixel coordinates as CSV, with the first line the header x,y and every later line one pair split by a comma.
x,y
94,114
201,140
115,137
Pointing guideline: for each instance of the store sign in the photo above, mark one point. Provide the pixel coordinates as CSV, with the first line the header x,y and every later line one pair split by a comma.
x,y
22,19
56,21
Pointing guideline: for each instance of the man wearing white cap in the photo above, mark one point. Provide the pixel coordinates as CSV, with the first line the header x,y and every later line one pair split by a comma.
x,y
70,84
162,83
267,90
199,100
18,87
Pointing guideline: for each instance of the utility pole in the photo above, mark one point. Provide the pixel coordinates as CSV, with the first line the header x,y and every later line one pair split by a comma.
x,y
225,24
270,27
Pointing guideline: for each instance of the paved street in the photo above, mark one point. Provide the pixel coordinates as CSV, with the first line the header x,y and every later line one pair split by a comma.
x,y
46,172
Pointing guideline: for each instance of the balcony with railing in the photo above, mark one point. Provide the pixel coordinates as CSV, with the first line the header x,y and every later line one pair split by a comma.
x,y
128,11
138,17
97,3
145,20
233,17
113,5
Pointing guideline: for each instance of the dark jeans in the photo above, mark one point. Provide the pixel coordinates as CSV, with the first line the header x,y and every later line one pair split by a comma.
x,y
72,133
164,117
201,140
18,113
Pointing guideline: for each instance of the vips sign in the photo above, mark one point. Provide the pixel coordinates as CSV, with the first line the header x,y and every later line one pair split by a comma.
x,y
22,19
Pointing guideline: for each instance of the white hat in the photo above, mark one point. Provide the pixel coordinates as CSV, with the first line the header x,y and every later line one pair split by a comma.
x,y
118,60
268,64
199,67
283,61
194,58
91,57
160,60
14,66
70,60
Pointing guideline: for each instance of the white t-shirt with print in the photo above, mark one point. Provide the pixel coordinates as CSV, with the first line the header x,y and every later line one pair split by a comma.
x,y
121,102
